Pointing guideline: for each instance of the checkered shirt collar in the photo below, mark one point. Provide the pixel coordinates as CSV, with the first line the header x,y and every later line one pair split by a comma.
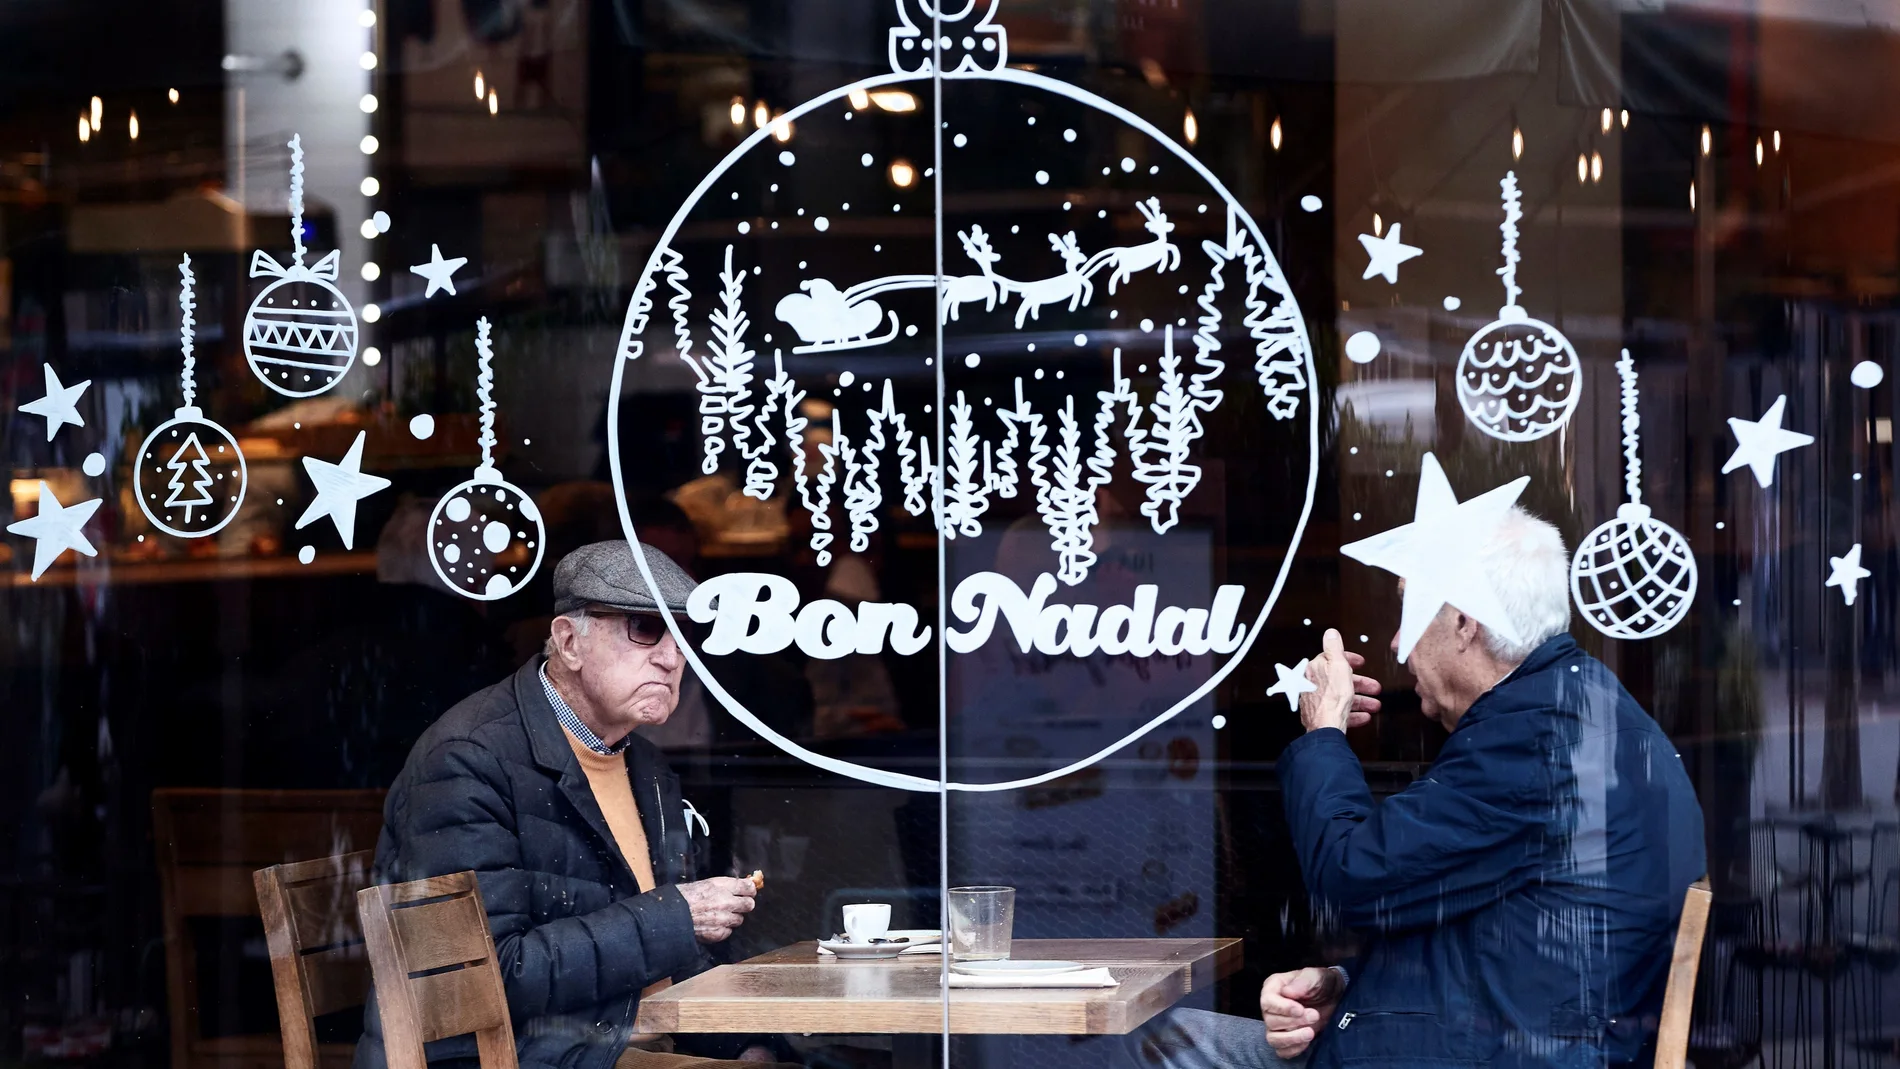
x,y
575,726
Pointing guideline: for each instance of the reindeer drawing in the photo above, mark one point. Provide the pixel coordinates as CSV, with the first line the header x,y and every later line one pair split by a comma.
x,y
963,289
1158,253
1072,285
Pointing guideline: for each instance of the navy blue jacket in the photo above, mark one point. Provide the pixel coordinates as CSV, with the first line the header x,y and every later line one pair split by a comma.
x,y
493,786
1520,900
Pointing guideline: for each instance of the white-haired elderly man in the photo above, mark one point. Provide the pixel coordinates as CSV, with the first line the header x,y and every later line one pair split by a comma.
x,y
1518,901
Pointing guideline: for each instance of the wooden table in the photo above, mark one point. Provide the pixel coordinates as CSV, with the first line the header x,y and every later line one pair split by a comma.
x,y
794,989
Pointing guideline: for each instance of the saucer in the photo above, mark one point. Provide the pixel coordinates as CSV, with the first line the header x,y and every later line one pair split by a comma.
x,y
845,950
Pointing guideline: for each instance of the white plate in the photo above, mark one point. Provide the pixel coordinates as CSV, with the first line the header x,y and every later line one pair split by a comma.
x,y
1010,967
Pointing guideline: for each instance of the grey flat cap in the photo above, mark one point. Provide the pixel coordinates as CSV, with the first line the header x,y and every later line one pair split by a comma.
x,y
604,573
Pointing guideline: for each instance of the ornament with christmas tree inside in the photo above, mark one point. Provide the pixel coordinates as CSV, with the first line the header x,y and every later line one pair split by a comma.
x,y
189,476
485,535
300,333
1518,377
1634,577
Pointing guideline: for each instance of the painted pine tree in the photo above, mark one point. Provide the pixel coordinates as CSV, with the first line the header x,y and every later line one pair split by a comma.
x,y
1162,461
966,484
863,494
761,473
1070,509
725,390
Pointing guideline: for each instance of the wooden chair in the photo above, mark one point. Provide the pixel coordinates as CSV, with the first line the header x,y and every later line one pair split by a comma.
x,y
435,967
1672,1035
317,960
207,844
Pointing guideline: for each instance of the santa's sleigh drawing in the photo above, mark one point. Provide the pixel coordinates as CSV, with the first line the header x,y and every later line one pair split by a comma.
x,y
829,319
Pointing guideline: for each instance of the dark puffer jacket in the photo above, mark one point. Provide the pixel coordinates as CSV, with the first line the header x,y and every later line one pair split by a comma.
x,y
1522,896
493,786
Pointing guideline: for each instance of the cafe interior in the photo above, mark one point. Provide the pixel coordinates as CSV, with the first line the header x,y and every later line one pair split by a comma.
x,y
514,236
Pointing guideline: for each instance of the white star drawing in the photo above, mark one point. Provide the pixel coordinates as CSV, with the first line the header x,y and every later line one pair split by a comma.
x,y
339,487
1847,574
60,405
56,529
1759,442
439,272
1387,254
1437,555
1293,683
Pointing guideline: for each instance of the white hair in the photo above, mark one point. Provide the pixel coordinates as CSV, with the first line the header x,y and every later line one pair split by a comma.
x,y
582,622
1530,570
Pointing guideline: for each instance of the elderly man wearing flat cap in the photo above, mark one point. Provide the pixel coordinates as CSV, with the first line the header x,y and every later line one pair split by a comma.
x,y
573,824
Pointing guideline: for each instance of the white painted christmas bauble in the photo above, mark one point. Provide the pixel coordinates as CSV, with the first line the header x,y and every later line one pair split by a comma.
x,y
485,537
189,476
1634,577
1519,378
300,334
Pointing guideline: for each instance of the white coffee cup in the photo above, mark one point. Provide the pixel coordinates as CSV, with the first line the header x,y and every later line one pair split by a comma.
x,y
866,921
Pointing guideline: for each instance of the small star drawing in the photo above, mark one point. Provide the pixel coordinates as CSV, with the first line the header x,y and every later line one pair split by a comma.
x,y
56,529
339,487
1758,442
439,272
1387,254
1293,683
60,405
1847,574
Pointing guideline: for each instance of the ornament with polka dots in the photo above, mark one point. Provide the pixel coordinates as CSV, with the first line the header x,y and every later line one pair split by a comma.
x,y
485,535
189,476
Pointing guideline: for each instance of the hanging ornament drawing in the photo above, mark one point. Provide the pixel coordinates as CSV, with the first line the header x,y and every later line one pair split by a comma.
x,y
1518,378
1633,577
300,334
485,536
1103,312
189,477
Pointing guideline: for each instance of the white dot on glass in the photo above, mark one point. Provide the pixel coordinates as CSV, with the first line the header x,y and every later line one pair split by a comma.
x,y
1737,601
1032,346
1388,473
1354,450
1309,203
422,426
452,553
495,536
847,378
1015,229
787,158
1039,373
821,224
1147,326
1218,721
745,227
1867,374
1308,621
1032,120
457,509
775,224
1452,304
381,219
1355,515
1069,134
1128,165
1362,347
306,554
1081,339
865,159
372,356
1364,638
877,248
1202,209
1719,525
972,360
959,140
1042,178
1101,213
1154,168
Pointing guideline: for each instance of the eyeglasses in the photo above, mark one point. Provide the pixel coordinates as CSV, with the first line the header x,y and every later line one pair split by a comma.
x,y
643,629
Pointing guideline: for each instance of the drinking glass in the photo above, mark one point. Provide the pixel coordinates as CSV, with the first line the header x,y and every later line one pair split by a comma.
x,y
981,920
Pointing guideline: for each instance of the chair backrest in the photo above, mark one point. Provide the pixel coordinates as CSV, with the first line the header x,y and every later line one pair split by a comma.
x,y
207,844
317,959
1672,1035
435,967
